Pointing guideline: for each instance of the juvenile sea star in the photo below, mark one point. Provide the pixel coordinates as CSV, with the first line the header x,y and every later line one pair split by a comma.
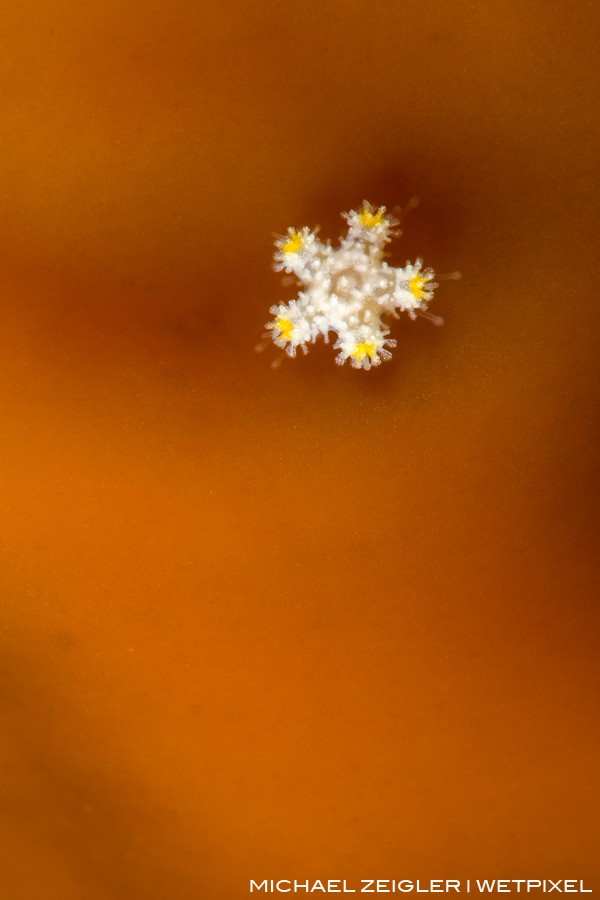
x,y
347,289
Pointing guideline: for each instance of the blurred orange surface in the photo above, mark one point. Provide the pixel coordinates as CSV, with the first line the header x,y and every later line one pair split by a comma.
x,y
305,623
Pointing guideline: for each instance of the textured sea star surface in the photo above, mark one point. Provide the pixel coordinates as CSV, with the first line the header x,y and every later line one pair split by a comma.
x,y
347,289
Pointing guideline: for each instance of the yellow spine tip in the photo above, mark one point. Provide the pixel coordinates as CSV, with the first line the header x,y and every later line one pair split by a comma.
x,y
285,327
364,349
294,242
371,219
416,285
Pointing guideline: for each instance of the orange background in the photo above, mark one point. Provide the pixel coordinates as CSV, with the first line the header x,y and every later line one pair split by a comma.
x,y
313,622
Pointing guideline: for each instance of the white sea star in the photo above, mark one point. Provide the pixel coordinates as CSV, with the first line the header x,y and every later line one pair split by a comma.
x,y
347,289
